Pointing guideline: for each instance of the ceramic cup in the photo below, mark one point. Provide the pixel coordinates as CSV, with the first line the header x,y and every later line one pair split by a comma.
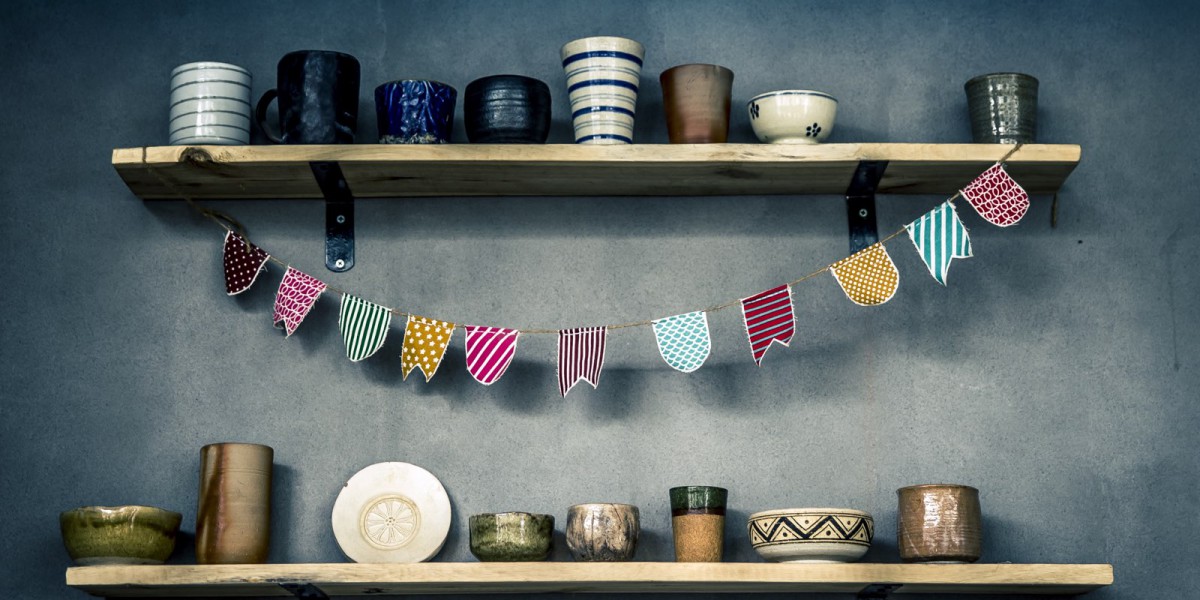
x,y
698,522
792,116
233,520
1003,108
601,532
415,111
696,99
318,98
939,523
511,536
210,104
603,76
507,109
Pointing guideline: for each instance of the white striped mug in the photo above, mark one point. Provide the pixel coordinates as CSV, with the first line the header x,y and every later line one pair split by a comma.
x,y
210,104
603,77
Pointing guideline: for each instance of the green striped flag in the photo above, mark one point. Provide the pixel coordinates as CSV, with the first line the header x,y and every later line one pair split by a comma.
x,y
939,237
364,326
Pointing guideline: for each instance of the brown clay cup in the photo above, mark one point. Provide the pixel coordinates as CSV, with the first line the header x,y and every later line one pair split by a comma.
x,y
698,522
697,100
233,521
603,532
939,523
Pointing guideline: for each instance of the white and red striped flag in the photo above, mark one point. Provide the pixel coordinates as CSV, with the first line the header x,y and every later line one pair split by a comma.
x,y
769,318
489,352
580,356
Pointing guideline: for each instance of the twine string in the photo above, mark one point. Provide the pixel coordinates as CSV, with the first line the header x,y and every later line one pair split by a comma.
x,y
200,158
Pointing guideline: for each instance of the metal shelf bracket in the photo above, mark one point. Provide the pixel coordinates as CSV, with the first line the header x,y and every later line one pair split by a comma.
x,y
304,591
860,203
339,215
877,591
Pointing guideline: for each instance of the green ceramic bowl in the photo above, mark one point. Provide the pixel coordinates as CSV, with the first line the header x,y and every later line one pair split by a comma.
x,y
119,535
511,536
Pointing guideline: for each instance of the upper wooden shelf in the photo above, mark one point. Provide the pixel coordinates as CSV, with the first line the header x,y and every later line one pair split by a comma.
x,y
379,171
476,578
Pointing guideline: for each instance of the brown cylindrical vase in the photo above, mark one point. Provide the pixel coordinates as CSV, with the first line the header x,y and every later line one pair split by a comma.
x,y
233,520
696,99
939,523
698,522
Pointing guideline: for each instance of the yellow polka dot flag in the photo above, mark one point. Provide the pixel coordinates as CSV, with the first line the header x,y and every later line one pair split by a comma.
x,y
869,277
425,342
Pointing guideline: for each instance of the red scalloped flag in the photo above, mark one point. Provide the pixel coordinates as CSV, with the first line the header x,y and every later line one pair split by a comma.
x,y
296,296
997,197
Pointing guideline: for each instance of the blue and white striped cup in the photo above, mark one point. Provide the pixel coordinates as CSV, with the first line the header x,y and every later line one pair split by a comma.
x,y
210,104
603,76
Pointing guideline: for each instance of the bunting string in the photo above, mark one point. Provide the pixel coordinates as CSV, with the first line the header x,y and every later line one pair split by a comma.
x,y
232,225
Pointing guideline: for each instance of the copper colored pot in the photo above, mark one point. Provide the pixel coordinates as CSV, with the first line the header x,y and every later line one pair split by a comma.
x,y
697,99
233,521
939,523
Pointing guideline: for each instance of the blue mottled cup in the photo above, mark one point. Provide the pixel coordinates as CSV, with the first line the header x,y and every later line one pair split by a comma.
x,y
414,111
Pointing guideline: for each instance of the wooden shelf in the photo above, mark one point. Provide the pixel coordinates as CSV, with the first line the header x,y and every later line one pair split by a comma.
x,y
474,578
377,171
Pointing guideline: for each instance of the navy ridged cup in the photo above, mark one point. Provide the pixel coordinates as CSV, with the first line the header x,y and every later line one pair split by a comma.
x,y
507,109
415,111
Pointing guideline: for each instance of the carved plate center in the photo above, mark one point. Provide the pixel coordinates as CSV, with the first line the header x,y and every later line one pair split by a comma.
x,y
390,522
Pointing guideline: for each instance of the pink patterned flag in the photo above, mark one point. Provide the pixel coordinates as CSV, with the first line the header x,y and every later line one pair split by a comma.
x,y
489,351
997,197
243,262
296,296
580,356
769,318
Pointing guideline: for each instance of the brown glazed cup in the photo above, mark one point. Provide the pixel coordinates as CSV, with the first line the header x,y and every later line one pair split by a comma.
x,y
603,532
698,522
233,521
697,100
939,523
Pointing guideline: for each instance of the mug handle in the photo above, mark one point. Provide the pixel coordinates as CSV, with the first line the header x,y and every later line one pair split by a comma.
x,y
260,114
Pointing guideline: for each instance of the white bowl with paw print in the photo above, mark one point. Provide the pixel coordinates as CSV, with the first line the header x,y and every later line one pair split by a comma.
x,y
792,116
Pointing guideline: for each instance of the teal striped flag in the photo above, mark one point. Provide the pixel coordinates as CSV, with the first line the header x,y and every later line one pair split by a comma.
x,y
939,237
364,326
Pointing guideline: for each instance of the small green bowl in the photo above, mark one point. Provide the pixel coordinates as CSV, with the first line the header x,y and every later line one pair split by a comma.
x,y
511,536
119,535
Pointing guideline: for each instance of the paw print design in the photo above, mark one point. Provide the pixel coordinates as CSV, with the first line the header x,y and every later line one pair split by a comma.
x,y
812,130
753,110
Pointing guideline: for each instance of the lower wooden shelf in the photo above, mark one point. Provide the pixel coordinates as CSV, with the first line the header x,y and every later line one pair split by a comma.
x,y
644,577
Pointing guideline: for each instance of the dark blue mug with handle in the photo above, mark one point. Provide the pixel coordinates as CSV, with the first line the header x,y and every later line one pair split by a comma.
x,y
318,98
415,111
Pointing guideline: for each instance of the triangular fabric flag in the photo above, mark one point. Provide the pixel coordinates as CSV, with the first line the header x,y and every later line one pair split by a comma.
x,y
243,262
425,342
489,351
769,318
580,356
364,326
869,277
683,340
296,296
940,236
997,197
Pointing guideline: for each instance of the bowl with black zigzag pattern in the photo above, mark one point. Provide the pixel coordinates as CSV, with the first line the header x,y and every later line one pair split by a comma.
x,y
811,535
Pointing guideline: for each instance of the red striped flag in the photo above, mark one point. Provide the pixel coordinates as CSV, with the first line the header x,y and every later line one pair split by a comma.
x,y
769,318
489,352
580,356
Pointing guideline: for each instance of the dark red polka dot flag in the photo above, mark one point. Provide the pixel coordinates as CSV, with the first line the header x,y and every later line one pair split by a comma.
x,y
243,262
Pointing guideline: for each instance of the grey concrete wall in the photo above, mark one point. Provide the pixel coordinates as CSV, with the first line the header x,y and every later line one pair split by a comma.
x,y
1058,372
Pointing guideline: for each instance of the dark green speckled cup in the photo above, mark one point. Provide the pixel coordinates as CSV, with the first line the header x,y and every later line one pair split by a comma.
x,y
511,536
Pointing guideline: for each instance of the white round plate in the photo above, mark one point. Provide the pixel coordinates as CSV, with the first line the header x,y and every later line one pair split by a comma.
x,y
391,512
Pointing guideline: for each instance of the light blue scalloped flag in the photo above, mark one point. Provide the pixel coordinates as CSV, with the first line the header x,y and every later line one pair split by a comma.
x,y
940,236
683,340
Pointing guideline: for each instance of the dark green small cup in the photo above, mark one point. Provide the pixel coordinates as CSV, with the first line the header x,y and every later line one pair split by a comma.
x,y
511,536
693,498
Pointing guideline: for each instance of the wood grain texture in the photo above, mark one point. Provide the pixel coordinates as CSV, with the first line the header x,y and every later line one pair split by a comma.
x,y
436,578
380,171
